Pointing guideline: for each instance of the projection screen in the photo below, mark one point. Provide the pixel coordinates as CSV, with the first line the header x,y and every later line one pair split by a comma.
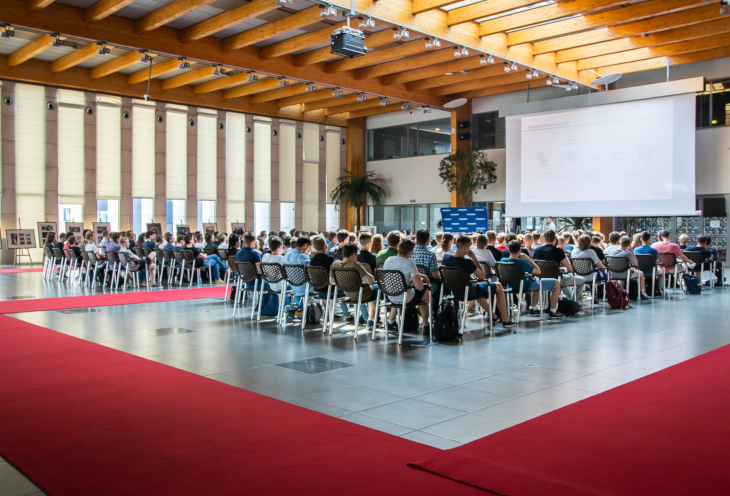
x,y
625,159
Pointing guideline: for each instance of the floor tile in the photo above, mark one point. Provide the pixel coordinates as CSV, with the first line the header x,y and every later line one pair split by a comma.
x,y
557,396
13,483
469,400
377,424
468,428
542,375
516,411
354,398
413,413
593,383
505,386
431,440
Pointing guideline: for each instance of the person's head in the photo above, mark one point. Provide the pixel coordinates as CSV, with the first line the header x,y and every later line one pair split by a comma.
x,y
568,238
625,242
646,238
303,244
550,237
614,238
365,240
123,241
405,248
158,240
50,238
69,235
595,241
422,237
233,241
393,239
169,238
514,248
319,245
434,243
72,241
501,238
703,241
584,242
287,242
351,237
683,239
377,243
116,236
509,237
482,241
330,236
561,242
636,240
188,239
439,237
528,240
491,237
249,241
275,245
665,235
446,241
208,238
105,234
62,237
349,252
180,239
89,237
463,243
342,236
549,220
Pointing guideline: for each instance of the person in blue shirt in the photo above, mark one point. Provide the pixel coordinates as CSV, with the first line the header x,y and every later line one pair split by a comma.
x,y
298,256
249,254
148,241
530,268
646,249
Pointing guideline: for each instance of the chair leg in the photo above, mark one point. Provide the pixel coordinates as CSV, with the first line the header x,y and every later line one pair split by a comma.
x,y
463,315
430,317
306,303
519,301
255,291
377,311
235,300
326,310
593,290
357,314
489,304
402,319
332,311
261,299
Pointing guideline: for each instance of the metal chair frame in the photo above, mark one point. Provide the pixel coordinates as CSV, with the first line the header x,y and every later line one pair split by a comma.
x,y
669,262
646,260
318,279
385,279
621,264
578,264
246,273
273,273
456,279
347,280
296,276
507,276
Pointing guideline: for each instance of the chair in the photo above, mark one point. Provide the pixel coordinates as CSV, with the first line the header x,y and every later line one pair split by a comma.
x,y
349,281
209,251
112,260
392,283
296,276
645,261
72,265
140,252
58,255
510,273
48,261
246,273
179,258
160,260
585,267
86,263
96,264
319,280
699,260
456,279
620,264
231,272
133,266
273,273
190,260
551,270
668,263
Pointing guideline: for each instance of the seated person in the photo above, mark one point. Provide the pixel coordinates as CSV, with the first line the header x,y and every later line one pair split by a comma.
x,y
322,258
529,247
551,253
365,256
202,260
482,252
492,246
624,252
646,249
703,247
249,254
149,242
298,256
421,255
585,250
665,245
134,259
531,269
276,248
446,247
403,263
349,261
569,242
336,251
683,241
596,247
468,261
392,249
210,244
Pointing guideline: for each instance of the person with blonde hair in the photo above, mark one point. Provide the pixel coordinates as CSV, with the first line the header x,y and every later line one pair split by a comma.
x,y
377,245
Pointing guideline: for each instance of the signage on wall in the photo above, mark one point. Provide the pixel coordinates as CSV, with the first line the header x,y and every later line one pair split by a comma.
x,y
465,219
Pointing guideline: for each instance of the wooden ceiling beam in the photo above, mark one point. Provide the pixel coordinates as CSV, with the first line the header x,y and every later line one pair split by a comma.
x,y
329,102
351,107
39,4
74,58
297,43
104,8
648,53
189,77
631,13
117,64
79,78
30,50
312,96
388,109
457,78
544,14
435,70
489,82
168,13
377,57
421,6
279,93
661,62
437,57
221,83
159,69
498,90
697,31
324,54
485,9
227,19
299,20
252,88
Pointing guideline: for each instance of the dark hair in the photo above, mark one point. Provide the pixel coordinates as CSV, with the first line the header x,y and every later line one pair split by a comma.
x,y
646,236
287,242
349,250
365,238
446,239
596,239
209,238
342,236
116,236
482,241
422,237
702,239
463,241
232,240
614,237
664,233
550,236
187,239
50,238
248,238
514,246
584,242
393,239
274,243
405,247
510,236
303,241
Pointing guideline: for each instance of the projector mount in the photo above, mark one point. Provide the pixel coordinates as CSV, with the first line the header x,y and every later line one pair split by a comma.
x,y
347,40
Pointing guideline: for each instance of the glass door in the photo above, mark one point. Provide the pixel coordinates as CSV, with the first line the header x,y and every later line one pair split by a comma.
x,y
406,218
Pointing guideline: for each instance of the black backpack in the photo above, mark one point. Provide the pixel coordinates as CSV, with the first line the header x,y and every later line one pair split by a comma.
x,y
314,312
411,322
446,325
568,307
691,284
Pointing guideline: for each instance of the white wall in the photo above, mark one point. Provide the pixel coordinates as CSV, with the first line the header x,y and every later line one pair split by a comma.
x,y
712,161
496,191
414,178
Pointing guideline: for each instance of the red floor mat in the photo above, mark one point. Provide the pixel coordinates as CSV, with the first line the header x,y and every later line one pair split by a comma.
x,y
80,419
105,300
19,271
664,434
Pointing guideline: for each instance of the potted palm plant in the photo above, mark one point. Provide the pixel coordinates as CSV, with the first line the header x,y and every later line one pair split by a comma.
x,y
355,190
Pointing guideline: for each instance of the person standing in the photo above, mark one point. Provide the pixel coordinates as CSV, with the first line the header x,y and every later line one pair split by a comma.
x,y
550,224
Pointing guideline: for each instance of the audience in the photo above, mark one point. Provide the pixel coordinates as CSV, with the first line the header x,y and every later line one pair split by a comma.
x,y
421,255
482,250
623,249
366,256
349,261
551,253
402,262
392,250
646,249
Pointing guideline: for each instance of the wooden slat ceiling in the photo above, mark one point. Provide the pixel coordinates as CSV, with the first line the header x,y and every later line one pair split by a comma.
x,y
286,46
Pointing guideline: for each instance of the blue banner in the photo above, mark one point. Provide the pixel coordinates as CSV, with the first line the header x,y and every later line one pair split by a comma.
x,y
465,219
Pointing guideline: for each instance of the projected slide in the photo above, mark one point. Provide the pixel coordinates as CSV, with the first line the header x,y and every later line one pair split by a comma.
x,y
607,153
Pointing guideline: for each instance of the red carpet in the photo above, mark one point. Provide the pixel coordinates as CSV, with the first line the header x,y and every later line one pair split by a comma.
x,y
18,271
105,300
664,434
80,419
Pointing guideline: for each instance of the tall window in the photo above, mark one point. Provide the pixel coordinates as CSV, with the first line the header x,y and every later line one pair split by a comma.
x,y
488,131
235,169
261,174
108,211
71,166
310,180
286,216
176,173
143,211
334,171
175,214
410,140
108,160
261,217
287,163
206,213
333,217
143,151
207,167
713,104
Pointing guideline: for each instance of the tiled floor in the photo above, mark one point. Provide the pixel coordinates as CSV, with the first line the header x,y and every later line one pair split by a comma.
x,y
443,395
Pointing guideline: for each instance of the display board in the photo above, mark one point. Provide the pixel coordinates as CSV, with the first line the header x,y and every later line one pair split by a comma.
x,y
464,219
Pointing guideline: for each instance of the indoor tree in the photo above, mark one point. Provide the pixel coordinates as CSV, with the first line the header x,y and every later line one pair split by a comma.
x,y
576,223
355,190
466,172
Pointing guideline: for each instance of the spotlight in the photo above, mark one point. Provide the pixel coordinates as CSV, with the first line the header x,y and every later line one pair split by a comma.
x,y
535,73
506,67
514,66
283,2
549,81
384,102
426,110
361,98
366,23
457,53
575,86
448,73
556,80
219,70
337,93
432,42
145,57
311,88
282,83
405,106
252,77
399,33
528,75
723,11
483,60
327,11
464,51
58,41
184,64
464,72
8,31
103,49
490,59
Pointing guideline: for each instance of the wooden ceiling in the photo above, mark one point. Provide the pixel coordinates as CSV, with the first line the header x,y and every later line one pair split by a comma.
x,y
286,46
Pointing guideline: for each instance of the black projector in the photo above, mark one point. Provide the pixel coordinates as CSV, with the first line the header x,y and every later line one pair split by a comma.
x,y
348,42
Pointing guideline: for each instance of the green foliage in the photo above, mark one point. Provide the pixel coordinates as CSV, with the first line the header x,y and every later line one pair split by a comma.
x,y
576,223
355,190
467,172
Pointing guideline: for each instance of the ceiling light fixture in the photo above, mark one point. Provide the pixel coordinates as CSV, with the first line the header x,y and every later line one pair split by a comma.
x,y
384,102
528,75
514,67
432,42
535,73
103,49
457,52
145,57
252,77
8,31
427,110
361,98
723,7
549,81
184,64
219,70
337,93
556,80
327,11
58,40
283,2
282,83
405,106
464,72
506,67
311,88
366,23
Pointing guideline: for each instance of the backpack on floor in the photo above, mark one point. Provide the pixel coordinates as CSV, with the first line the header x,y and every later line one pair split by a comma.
x,y
446,325
270,304
691,284
617,296
411,322
314,312
633,289
568,307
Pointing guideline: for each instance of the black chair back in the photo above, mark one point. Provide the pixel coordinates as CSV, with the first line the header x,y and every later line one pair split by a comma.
x,y
48,251
423,270
391,282
273,272
348,280
318,277
668,260
189,256
645,261
617,264
85,256
147,251
178,255
548,269
222,253
295,275
58,253
696,257
209,251
509,273
584,266
112,257
160,254
92,257
123,259
487,269
139,251
454,278
247,270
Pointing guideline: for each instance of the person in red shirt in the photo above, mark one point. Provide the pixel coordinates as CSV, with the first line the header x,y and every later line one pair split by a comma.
x,y
666,246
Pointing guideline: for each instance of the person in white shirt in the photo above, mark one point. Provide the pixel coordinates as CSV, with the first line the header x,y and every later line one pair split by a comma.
x,y
550,224
199,242
445,247
481,251
403,263
277,248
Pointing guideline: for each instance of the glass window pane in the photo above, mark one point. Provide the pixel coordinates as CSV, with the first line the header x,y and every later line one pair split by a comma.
x,y
332,220
143,211
720,102
385,218
435,210
206,213
175,214
387,142
260,217
406,218
421,218
434,137
108,211
413,140
286,216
